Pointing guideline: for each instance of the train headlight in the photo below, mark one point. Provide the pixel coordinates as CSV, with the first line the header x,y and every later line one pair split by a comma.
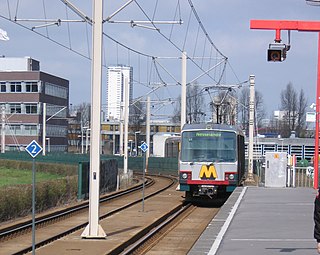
x,y
230,176
184,176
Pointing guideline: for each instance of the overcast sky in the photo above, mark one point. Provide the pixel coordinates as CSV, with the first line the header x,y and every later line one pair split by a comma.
x,y
226,22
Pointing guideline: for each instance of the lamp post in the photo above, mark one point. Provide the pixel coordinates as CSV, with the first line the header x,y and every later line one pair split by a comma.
x,y
135,141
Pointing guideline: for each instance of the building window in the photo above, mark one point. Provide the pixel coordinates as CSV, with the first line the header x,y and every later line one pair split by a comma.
x,y
31,130
59,111
31,108
15,108
111,127
15,129
168,129
31,87
56,90
3,87
15,87
56,131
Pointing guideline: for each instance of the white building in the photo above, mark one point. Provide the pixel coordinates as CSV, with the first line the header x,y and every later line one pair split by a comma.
x,y
115,89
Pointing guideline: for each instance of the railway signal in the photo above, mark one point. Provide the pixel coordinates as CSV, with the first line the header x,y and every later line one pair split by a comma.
x,y
277,52
301,26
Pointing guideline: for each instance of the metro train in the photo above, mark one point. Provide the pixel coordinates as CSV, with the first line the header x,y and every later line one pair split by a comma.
x,y
212,159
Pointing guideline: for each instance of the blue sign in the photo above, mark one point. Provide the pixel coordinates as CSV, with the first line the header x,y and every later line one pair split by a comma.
x,y
144,147
33,149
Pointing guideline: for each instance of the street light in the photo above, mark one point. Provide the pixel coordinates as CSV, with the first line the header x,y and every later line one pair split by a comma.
x,y
135,141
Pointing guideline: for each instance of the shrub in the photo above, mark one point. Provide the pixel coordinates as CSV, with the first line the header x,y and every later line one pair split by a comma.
x,y
16,201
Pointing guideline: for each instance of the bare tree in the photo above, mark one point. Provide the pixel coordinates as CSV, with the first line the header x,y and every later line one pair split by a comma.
x,y
137,114
195,105
301,121
224,107
289,104
83,113
176,118
244,109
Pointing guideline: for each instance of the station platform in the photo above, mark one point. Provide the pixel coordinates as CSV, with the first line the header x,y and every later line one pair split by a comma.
x,y
264,221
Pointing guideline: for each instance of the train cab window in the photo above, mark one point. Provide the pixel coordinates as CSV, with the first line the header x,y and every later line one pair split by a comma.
x,y
208,146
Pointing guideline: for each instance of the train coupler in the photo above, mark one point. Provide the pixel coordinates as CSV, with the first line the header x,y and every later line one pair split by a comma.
x,y
208,190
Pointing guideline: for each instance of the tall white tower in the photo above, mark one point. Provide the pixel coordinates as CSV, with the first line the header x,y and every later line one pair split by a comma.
x,y
115,89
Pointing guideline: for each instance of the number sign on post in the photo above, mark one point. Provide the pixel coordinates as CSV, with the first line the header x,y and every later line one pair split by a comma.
x,y
33,149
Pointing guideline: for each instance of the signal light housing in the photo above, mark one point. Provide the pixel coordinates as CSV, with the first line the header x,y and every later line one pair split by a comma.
x,y
277,52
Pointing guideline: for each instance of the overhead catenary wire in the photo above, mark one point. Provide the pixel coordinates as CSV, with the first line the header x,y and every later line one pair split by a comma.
x,y
174,44
216,77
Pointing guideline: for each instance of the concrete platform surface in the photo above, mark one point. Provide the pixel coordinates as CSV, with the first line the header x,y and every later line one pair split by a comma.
x,y
264,221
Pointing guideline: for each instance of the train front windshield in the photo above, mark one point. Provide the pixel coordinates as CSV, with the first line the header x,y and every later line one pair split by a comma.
x,y
208,146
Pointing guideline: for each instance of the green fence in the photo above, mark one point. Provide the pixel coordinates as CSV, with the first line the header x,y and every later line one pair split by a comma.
x,y
155,165
108,177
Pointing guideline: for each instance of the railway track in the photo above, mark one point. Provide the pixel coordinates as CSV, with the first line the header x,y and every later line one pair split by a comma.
x,y
26,225
176,234
59,224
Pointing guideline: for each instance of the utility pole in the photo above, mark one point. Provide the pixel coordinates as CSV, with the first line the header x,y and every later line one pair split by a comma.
x,y
183,89
250,178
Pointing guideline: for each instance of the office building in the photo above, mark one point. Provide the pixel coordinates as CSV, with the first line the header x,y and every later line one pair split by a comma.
x,y
23,91
116,76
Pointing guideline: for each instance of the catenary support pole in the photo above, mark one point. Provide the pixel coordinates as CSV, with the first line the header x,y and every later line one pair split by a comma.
x,y
3,129
44,133
121,129
251,128
126,125
148,132
93,229
183,89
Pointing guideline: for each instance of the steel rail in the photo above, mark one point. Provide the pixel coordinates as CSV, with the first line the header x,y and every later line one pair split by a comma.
x,y
82,225
23,226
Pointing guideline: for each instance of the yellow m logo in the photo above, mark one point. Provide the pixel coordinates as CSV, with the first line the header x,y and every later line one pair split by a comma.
x,y
208,172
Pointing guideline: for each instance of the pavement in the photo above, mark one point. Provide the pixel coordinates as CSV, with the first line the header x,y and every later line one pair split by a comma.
x,y
264,221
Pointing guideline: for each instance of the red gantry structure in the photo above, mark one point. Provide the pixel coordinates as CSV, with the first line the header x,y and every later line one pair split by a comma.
x,y
301,26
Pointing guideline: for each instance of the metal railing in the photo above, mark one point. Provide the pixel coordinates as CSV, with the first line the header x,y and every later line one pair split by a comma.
x,y
296,177
303,177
